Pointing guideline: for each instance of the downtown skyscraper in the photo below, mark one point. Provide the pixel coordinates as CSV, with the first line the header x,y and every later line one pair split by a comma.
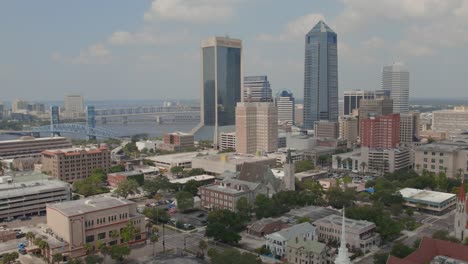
x,y
320,75
395,80
221,85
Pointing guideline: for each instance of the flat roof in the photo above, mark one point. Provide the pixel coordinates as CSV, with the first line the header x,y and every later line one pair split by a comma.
x,y
351,224
441,147
125,173
426,195
16,189
29,139
170,158
235,158
88,205
203,177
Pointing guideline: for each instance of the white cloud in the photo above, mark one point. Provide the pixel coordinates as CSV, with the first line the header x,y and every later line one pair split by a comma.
x,y
410,48
94,54
357,12
295,29
190,10
373,43
146,37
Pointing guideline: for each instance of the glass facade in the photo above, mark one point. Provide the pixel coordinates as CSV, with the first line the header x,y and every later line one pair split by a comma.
x,y
221,84
320,76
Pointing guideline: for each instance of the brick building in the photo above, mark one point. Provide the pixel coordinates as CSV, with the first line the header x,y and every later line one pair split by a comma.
x,y
75,163
380,131
177,141
114,179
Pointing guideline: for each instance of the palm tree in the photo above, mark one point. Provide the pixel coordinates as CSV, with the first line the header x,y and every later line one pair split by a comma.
x,y
88,247
30,237
363,166
154,238
202,245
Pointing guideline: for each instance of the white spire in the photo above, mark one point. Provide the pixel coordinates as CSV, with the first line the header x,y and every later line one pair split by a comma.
x,y
343,256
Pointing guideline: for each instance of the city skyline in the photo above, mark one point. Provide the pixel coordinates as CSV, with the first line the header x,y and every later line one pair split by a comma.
x,y
150,50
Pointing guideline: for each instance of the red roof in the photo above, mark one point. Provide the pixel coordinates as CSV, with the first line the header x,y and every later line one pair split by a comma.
x,y
461,193
429,248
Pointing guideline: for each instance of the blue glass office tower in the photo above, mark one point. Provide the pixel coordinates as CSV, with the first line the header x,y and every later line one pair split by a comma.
x,y
221,85
320,75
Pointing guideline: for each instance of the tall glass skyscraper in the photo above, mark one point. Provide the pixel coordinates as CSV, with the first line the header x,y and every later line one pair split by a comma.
x,y
257,89
395,80
320,75
221,86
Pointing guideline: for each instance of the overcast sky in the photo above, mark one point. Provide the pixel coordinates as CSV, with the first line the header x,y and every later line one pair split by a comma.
x,y
142,49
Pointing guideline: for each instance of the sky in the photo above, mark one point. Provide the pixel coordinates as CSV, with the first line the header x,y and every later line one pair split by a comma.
x,y
143,49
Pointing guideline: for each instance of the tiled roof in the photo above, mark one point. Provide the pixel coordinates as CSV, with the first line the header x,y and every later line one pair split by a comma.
x,y
430,248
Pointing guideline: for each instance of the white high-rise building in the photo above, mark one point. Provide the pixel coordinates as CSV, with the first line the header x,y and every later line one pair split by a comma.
x,y
286,105
74,106
395,78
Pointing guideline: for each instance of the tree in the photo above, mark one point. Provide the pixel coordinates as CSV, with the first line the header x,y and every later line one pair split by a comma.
x,y
303,219
232,256
380,258
363,166
244,209
224,225
74,261
347,180
9,258
338,198
126,188
30,237
117,168
192,187
196,171
177,170
57,257
154,238
202,245
303,165
264,206
184,200
401,250
119,252
128,233
151,187
157,215
94,259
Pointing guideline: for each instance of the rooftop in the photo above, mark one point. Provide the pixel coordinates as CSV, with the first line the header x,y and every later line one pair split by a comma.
x,y
203,177
426,195
312,211
29,139
321,27
126,173
351,224
184,156
442,147
235,158
74,150
307,245
430,249
293,231
29,185
77,207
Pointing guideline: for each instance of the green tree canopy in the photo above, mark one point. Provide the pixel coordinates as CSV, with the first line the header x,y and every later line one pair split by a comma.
x,y
126,188
233,256
152,186
117,168
184,200
192,187
224,225
119,252
244,209
303,165
94,259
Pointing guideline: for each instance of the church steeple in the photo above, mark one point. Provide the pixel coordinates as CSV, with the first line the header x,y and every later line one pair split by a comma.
x,y
343,254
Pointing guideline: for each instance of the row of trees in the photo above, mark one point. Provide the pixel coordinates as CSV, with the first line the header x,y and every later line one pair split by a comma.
x,y
94,184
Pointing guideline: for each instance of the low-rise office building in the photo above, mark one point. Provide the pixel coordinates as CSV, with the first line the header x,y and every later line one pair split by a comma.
x,y
203,179
266,226
28,195
177,141
218,164
88,221
448,157
74,164
30,146
451,121
183,160
429,201
277,242
359,233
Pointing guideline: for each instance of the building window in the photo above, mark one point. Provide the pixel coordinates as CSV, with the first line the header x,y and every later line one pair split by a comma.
x,y
89,239
113,243
101,236
441,161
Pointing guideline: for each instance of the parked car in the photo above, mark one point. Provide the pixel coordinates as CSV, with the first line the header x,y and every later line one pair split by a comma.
x,y
201,215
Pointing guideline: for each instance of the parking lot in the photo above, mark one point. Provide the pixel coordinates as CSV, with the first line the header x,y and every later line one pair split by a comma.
x,y
195,218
